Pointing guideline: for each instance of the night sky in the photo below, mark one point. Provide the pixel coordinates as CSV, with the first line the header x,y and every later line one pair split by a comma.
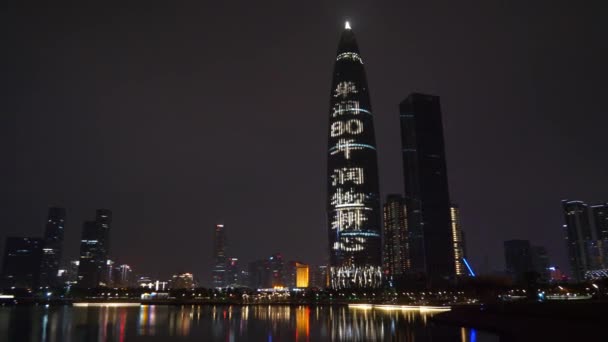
x,y
176,117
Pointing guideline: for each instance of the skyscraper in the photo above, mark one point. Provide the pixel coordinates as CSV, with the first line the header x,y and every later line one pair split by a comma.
x,y
276,267
353,206
51,251
94,249
540,263
232,272
219,256
518,258
395,251
427,196
587,238
22,256
599,213
578,237
458,241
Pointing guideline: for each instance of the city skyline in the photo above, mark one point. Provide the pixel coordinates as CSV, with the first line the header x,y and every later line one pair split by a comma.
x,y
128,127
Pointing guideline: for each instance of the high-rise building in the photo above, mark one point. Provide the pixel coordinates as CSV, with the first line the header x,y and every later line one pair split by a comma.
x,y
540,263
353,204
94,249
302,275
578,237
600,220
297,274
232,272
518,258
458,241
72,270
182,281
22,257
319,276
123,276
277,270
395,251
258,274
427,196
587,238
219,256
523,259
51,251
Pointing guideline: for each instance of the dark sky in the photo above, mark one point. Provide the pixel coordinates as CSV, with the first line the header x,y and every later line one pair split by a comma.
x,y
178,116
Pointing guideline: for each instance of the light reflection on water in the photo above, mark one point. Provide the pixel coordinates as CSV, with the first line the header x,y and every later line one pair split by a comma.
x,y
223,323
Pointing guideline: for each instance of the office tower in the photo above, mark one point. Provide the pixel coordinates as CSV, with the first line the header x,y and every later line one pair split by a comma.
x,y
219,256
258,274
123,276
395,251
72,270
353,205
599,213
458,241
540,262
22,257
518,259
94,248
297,274
319,276
427,196
51,251
277,270
182,281
600,220
232,272
290,274
302,275
578,237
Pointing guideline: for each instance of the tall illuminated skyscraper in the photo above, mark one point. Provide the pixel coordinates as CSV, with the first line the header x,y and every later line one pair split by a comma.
x,y
395,251
458,241
578,237
51,250
353,207
219,256
94,250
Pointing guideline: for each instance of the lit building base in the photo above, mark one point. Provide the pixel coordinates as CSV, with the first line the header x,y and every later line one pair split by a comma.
x,y
348,277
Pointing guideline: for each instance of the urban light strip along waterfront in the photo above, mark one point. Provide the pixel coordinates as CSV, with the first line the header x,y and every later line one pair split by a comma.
x,y
388,307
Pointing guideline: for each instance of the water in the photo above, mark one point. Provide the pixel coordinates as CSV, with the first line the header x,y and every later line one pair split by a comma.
x,y
223,323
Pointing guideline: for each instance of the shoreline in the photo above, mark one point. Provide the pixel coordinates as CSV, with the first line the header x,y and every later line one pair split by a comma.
x,y
531,321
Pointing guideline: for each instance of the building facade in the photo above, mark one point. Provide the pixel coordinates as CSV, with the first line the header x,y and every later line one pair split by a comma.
x,y
21,265
518,259
353,205
587,239
426,189
458,242
396,250
52,249
94,250
219,256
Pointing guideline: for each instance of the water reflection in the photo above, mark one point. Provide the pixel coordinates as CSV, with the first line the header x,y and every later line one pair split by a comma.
x,y
223,323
